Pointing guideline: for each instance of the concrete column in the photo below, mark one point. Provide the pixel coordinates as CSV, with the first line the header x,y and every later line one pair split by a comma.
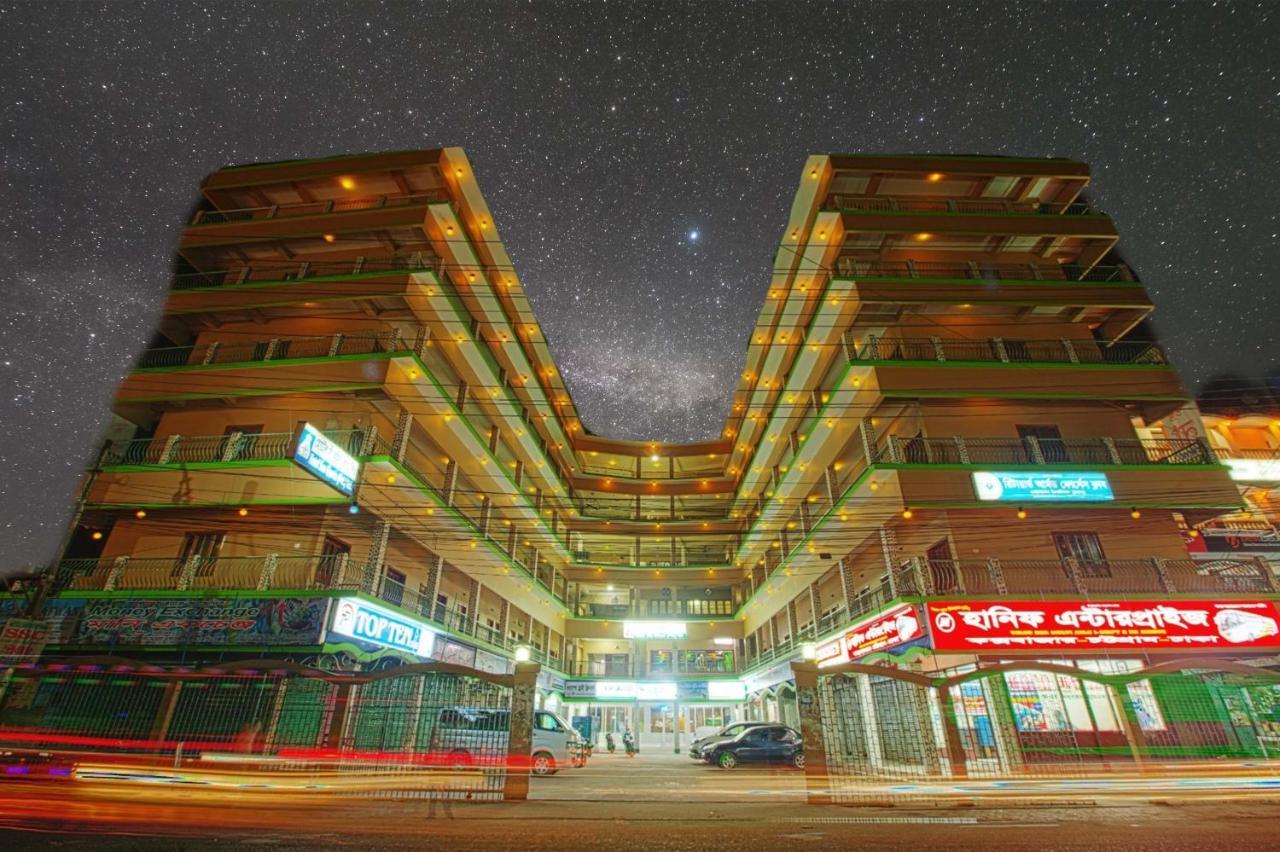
x,y
870,727
164,713
809,702
400,443
520,739
377,555
951,730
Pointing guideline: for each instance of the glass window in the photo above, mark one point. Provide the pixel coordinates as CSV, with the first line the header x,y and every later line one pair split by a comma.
x,y
1145,706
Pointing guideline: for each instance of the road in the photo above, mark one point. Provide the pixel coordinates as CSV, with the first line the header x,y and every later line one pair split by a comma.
x,y
654,801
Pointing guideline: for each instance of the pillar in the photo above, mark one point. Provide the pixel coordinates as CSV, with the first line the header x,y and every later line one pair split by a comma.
x,y
520,739
809,702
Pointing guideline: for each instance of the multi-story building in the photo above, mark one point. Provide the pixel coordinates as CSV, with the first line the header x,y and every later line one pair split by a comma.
x,y
349,442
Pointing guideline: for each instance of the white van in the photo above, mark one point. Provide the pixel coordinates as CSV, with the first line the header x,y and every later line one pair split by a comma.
x,y
477,736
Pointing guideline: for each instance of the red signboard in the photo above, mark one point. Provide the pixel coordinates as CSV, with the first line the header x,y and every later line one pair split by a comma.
x,y
1101,625
886,630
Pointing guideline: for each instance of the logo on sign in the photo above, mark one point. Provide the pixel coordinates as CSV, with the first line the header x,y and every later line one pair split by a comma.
x,y
375,625
326,460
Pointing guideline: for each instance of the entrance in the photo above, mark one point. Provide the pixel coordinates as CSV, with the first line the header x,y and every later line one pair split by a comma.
x,y
656,724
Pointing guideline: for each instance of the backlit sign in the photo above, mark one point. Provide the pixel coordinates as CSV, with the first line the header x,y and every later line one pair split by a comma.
x,y
1253,470
726,690
1102,625
357,619
624,690
326,460
1034,486
654,630
880,632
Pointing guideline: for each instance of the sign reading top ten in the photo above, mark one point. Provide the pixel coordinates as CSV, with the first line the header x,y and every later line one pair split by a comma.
x,y
1029,487
329,462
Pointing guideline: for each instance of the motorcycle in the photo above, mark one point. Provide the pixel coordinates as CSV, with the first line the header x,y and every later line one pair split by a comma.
x,y
629,743
609,743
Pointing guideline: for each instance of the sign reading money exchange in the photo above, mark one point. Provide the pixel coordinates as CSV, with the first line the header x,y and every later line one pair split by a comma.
x,y
1022,486
329,462
202,621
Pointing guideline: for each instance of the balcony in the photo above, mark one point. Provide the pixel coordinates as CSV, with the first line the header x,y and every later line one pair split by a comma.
x,y
709,609
315,208
1091,452
275,349
198,449
293,271
1010,578
684,663
996,206
974,271
997,350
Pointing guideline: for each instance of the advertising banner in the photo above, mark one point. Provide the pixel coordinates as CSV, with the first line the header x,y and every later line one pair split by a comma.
x,y
580,689
203,621
1032,486
691,690
889,629
22,639
1103,625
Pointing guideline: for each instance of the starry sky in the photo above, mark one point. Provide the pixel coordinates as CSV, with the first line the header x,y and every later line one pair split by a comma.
x,y
640,160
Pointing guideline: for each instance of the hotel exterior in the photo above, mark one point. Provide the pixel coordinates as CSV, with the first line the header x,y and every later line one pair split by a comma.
x,y
349,446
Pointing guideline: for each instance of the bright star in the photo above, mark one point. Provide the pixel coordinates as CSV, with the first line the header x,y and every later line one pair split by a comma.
x,y
693,236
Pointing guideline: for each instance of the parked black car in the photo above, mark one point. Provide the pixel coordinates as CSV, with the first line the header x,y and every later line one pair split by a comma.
x,y
726,733
774,745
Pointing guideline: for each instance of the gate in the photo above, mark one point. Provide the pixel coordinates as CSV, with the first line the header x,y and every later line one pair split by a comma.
x,y
432,730
880,735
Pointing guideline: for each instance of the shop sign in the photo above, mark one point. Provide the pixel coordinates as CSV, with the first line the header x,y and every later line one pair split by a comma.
x,y
1031,486
726,690
830,653
1239,541
23,639
458,654
691,690
202,621
1103,625
1254,470
579,689
654,630
326,460
889,629
766,679
622,690
357,619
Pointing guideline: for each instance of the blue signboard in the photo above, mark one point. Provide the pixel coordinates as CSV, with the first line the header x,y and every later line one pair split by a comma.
x,y
329,462
201,621
357,619
1021,486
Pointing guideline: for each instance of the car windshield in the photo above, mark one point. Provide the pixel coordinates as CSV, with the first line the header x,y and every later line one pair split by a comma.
x,y
734,729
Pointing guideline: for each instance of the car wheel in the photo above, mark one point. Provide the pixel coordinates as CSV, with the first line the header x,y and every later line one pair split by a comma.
x,y
543,764
459,759
727,760
797,760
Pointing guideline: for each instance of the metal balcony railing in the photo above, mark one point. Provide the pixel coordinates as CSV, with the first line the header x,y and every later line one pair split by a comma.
x,y
314,208
230,447
998,350
1272,454
275,349
900,204
896,449
262,270
853,267
998,577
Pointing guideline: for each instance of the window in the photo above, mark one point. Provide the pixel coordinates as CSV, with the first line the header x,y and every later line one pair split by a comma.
x,y
206,546
332,553
547,722
942,568
1086,549
393,586
1050,440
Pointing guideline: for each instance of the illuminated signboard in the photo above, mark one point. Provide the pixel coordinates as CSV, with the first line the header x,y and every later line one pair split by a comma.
x,y
1032,486
653,630
726,690
636,690
357,619
1103,625
830,653
889,629
1253,470
326,460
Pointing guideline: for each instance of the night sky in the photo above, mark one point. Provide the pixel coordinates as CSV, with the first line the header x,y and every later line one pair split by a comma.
x,y
640,160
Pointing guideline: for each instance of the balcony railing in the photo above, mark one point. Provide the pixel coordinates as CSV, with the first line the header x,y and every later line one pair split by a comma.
x,y
1272,454
230,447
276,349
658,609
857,268
997,577
897,449
1002,350
314,208
899,204
301,270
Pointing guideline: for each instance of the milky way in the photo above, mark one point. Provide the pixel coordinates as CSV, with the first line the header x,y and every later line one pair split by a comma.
x,y
640,160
